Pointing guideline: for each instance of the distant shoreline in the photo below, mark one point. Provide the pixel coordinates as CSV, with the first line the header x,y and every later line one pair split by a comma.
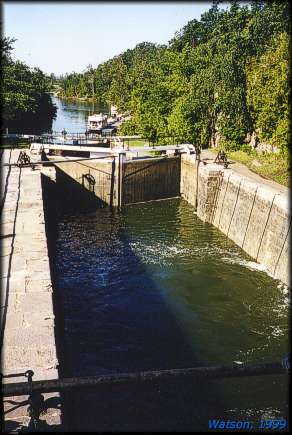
x,y
84,99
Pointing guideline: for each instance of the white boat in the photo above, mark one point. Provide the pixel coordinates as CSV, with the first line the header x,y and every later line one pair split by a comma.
x,y
96,122
114,111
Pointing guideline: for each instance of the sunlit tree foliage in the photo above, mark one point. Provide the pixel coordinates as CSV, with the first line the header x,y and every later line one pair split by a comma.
x,y
220,80
26,102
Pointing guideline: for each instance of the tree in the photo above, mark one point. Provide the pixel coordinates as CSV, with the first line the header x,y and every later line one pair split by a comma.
x,y
206,86
27,105
268,92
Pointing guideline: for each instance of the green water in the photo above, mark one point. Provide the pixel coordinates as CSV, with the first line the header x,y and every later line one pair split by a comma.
x,y
154,287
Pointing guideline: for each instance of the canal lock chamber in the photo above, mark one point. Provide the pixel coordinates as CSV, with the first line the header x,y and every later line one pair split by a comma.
x,y
153,287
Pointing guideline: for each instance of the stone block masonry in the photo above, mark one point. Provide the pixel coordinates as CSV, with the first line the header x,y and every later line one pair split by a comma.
x,y
27,317
256,216
189,179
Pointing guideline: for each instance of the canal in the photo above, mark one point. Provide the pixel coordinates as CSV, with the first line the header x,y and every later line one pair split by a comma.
x,y
72,114
153,287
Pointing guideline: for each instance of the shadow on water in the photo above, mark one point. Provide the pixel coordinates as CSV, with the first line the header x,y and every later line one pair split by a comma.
x,y
112,317
123,325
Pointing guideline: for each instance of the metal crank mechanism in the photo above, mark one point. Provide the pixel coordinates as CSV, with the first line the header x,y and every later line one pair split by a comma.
x,y
35,402
23,159
89,178
90,181
221,158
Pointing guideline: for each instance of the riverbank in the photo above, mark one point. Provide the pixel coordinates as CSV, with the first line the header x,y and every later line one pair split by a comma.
x,y
81,99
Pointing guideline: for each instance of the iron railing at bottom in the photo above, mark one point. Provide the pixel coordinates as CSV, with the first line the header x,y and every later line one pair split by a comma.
x,y
212,372
36,400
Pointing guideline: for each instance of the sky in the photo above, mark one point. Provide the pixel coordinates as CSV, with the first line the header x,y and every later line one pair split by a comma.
x,y
61,37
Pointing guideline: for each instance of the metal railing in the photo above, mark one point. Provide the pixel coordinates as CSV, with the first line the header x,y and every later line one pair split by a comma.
x,y
209,372
86,135
36,401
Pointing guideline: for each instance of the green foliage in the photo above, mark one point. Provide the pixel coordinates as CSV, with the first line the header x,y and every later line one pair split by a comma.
x,y
26,102
272,166
219,80
268,92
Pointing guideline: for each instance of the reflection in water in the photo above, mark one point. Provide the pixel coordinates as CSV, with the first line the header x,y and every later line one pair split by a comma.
x,y
154,287
72,115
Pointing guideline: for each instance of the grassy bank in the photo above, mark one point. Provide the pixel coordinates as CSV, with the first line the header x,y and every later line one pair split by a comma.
x,y
20,144
136,142
270,166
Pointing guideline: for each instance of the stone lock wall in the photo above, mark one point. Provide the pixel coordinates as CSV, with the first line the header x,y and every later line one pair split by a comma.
x,y
189,178
256,217
27,312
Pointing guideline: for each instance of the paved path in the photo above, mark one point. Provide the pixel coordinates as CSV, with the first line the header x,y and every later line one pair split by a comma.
x,y
209,156
27,319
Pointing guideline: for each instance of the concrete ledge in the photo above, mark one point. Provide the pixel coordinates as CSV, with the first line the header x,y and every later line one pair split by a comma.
x,y
27,316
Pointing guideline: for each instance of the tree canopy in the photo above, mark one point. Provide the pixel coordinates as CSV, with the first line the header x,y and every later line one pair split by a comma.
x,y
219,80
26,102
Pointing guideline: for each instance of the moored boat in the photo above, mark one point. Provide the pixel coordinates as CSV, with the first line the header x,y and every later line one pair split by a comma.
x,y
96,123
